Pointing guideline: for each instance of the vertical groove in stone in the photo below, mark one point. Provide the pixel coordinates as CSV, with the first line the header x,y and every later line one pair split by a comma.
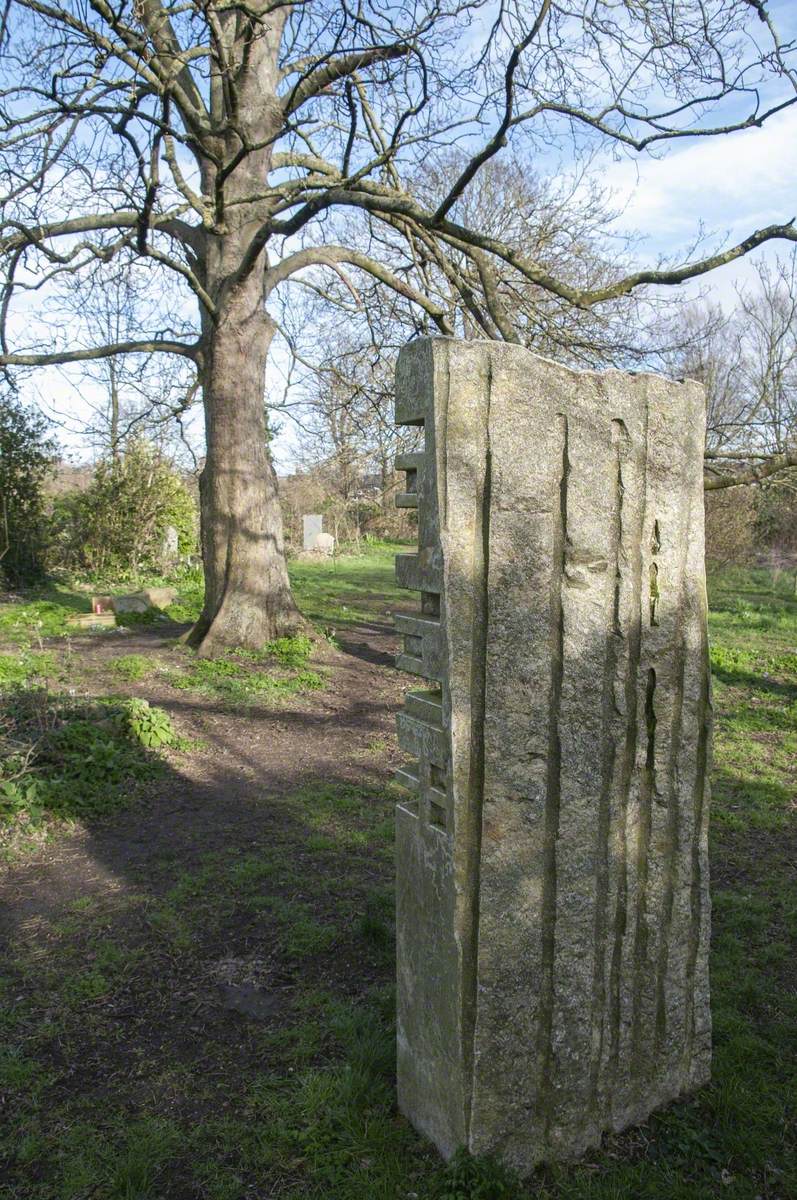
x,y
553,782
673,827
614,638
481,582
634,639
641,931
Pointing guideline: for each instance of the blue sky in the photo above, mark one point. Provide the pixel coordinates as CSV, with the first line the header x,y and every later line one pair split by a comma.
x,y
726,186
730,185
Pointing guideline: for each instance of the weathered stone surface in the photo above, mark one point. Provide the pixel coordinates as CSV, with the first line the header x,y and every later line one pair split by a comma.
x,y
553,910
312,528
140,602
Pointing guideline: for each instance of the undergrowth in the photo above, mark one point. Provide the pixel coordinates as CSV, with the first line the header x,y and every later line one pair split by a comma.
x,y
66,757
133,667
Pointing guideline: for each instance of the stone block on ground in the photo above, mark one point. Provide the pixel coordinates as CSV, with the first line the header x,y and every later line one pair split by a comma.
x,y
93,620
552,874
143,601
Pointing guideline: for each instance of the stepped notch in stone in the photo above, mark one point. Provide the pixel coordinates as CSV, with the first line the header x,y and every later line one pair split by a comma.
x,y
553,911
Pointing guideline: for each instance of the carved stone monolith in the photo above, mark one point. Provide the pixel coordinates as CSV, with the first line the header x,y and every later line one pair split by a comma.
x,y
553,909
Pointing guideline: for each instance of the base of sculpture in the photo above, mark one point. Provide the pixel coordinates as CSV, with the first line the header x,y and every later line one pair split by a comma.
x,y
553,912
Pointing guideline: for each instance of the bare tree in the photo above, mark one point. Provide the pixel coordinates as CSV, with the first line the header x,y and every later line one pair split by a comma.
x,y
347,429
222,140
561,222
339,388
747,362
125,396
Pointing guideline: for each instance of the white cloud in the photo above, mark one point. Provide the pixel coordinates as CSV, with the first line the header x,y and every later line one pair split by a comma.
x,y
733,183
727,186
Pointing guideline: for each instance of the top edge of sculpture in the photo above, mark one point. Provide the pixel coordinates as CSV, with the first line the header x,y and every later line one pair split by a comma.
x,y
599,373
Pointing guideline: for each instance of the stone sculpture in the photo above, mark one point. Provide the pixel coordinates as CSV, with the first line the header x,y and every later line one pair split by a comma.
x,y
553,910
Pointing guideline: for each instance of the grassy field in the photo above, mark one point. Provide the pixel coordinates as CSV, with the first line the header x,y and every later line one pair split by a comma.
x,y
119,1083
336,592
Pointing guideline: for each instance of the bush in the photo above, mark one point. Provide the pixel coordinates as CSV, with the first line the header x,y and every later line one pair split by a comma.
x,y
730,527
26,456
776,523
116,528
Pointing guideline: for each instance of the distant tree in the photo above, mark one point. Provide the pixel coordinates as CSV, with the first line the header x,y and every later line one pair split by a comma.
x,y
221,142
747,362
342,372
123,397
27,454
731,520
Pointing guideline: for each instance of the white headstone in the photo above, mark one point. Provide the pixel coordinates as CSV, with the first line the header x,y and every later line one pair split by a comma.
x,y
313,526
170,543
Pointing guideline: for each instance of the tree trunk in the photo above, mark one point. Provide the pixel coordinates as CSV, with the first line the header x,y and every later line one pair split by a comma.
x,y
248,599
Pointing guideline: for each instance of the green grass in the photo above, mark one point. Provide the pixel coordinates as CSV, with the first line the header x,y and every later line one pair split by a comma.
x,y
234,677
334,592
133,667
349,588
122,1083
26,666
753,628
41,613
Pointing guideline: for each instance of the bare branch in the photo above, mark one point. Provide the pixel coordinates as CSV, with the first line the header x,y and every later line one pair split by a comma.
x,y
93,223
322,77
498,139
61,357
755,473
330,256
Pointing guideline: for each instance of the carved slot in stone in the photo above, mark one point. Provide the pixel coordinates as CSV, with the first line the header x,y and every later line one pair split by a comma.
x,y
437,815
552,882
430,604
654,593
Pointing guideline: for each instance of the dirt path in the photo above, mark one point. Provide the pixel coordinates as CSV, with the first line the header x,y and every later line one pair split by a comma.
x,y
215,798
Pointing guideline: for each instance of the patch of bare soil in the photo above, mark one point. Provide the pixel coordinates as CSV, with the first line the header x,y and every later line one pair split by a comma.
x,y
215,797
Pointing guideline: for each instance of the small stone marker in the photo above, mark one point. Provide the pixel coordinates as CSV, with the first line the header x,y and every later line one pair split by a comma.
x,y
171,544
324,544
313,524
552,911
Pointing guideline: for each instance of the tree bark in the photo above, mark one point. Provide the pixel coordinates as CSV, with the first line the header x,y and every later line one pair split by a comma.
x,y
248,599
